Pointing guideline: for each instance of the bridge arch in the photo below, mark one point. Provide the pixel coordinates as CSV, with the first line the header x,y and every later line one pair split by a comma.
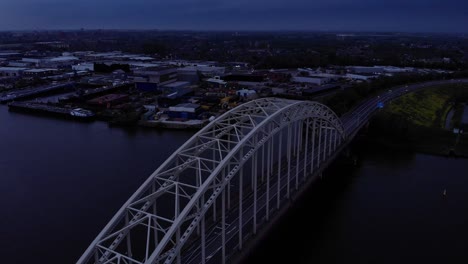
x,y
168,214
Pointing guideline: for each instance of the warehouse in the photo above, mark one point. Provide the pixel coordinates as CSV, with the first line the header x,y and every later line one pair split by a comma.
x,y
184,111
11,71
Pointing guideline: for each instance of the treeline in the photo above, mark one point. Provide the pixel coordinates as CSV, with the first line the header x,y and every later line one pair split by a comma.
x,y
308,59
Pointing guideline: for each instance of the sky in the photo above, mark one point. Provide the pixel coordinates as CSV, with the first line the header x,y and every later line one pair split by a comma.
x,y
334,15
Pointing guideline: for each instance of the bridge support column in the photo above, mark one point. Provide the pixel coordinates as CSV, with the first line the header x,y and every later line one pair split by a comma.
x,y
129,239
334,139
214,183
176,214
263,163
269,162
178,258
254,179
241,183
298,137
293,133
229,184
289,149
229,190
223,224
312,151
319,156
278,195
306,148
203,237
325,144
301,134
155,220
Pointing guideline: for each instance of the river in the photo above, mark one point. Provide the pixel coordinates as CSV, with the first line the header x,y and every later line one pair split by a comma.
x,y
388,208
61,182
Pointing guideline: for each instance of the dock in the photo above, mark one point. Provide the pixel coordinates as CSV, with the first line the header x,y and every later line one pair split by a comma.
x,y
34,92
189,124
39,108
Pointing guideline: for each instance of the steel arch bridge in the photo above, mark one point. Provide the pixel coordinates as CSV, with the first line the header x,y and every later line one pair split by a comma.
x,y
217,189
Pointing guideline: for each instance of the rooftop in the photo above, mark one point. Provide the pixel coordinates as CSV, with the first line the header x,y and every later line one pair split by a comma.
x,y
176,84
39,70
187,105
64,58
2,54
12,69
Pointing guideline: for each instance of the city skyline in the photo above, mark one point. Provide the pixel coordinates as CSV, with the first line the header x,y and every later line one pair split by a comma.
x,y
336,15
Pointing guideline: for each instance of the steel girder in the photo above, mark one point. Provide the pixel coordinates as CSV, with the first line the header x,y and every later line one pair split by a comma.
x,y
157,221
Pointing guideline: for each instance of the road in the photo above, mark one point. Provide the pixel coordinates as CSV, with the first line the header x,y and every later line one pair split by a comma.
x,y
353,120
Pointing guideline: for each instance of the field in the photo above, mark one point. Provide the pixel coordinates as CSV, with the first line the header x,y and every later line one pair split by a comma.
x,y
427,108
418,120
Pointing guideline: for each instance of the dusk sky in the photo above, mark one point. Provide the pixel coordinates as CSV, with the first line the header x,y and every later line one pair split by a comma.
x,y
366,15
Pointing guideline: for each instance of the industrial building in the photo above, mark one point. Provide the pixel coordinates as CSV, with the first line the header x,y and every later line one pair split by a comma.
x,y
108,100
149,79
249,94
311,80
56,62
361,77
185,111
83,67
11,71
39,72
178,87
160,75
206,70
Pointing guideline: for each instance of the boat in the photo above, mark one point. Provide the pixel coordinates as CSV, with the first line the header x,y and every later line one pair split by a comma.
x,y
80,112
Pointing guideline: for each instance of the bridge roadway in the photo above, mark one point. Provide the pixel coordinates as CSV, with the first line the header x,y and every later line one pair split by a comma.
x,y
298,167
352,122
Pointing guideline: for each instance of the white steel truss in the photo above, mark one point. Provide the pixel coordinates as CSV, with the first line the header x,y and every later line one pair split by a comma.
x,y
171,212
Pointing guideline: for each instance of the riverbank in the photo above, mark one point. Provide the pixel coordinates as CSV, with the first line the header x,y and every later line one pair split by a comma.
x,y
418,122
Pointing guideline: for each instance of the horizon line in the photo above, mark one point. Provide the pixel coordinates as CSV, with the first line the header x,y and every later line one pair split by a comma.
x,y
236,30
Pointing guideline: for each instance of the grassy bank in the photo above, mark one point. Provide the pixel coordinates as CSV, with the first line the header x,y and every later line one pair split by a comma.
x,y
417,121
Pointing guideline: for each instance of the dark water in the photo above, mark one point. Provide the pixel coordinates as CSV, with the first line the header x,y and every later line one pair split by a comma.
x,y
61,182
389,208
